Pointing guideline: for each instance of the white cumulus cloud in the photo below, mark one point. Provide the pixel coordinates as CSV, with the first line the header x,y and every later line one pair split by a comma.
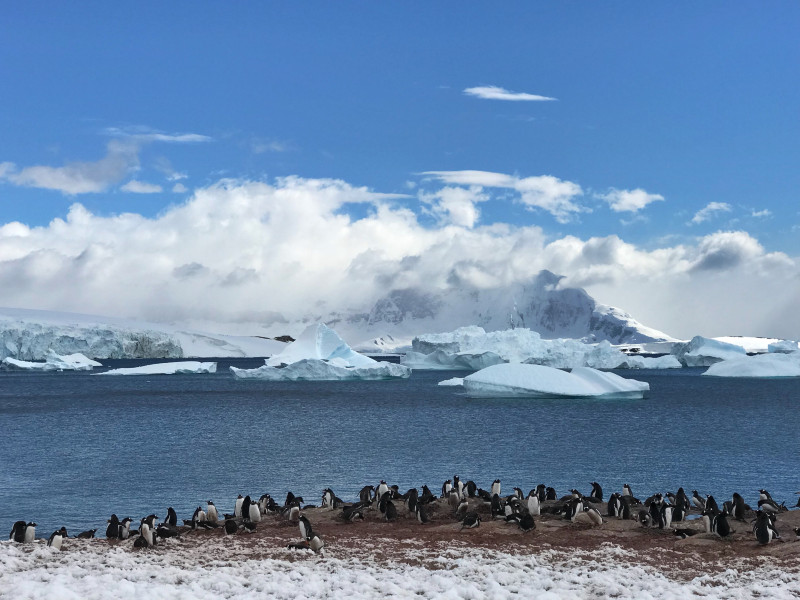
x,y
710,210
493,92
629,200
141,187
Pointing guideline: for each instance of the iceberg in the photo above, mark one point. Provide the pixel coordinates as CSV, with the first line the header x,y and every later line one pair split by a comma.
x,y
704,352
170,368
53,362
783,347
472,348
537,381
761,365
319,354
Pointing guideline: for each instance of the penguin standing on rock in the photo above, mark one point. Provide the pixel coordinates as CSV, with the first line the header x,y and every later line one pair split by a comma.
x,y
18,532
764,528
421,514
495,488
86,535
597,492
305,528
172,517
738,507
237,507
230,527
211,512
113,529
471,520
533,504
526,523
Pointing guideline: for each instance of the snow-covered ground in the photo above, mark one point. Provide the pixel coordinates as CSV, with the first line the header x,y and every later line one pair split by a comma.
x,y
225,568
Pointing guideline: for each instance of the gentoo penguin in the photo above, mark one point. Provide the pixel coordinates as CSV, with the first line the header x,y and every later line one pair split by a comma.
x,y
721,526
30,532
711,503
594,515
597,492
351,513
165,530
125,528
495,487
625,507
655,511
327,498
305,527
458,485
293,513
471,488
315,543
526,523
484,495
230,527
412,499
462,508
237,507
254,513
764,528
698,501
768,504
573,507
172,517
644,517
427,495
56,538
666,515
245,508
365,496
447,486
614,505
738,507
550,494
248,527
626,490
682,505
541,491
498,510
684,533
381,489
678,513
453,500
199,514
533,504
146,533
211,512
391,511
422,514
18,532
86,535
471,520
113,529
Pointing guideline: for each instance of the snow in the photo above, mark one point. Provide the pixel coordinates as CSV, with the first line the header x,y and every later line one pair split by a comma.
x,y
760,365
54,362
472,348
228,569
454,381
170,368
783,346
704,352
319,354
748,343
536,381
29,334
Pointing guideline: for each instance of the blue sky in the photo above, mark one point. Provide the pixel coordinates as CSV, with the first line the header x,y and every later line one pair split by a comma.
x,y
664,124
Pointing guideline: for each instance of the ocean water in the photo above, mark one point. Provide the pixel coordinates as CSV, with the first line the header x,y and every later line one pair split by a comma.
x,y
77,447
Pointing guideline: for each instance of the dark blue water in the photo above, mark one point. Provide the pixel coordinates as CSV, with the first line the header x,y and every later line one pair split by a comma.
x,y
78,447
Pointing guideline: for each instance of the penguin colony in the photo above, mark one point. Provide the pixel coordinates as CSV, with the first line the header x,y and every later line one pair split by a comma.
x,y
463,503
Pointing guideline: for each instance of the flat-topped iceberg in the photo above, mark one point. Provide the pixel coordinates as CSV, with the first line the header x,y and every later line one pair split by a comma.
x,y
704,352
185,367
536,381
53,362
472,348
761,365
319,354
783,347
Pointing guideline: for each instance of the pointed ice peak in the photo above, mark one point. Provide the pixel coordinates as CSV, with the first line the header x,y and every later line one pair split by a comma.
x,y
320,342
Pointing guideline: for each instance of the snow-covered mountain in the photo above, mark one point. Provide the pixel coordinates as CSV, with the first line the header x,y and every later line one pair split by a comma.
x,y
540,305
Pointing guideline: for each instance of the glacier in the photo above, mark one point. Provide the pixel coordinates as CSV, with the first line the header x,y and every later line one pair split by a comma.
x,y
53,362
762,365
472,348
536,381
186,367
320,354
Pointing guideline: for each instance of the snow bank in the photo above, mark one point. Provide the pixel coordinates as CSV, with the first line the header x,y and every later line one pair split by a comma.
x,y
704,352
472,348
760,365
319,354
536,381
54,362
185,367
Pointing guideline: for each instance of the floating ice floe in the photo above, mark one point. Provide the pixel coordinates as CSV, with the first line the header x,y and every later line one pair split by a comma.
x,y
761,365
472,348
186,367
455,382
704,352
319,354
536,381
53,362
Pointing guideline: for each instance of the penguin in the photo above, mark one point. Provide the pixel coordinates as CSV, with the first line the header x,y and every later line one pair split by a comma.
x,y
165,530
248,527
412,499
738,507
365,496
211,512
427,496
764,529
316,544
768,505
533,504
626,490
721,526
18,532
254,513
667,512
594,515
453,500
125,528
462,508
495,488
471,520
541,491
230,527
550,494
56,538
381,489
199,514
246,503
327,498
684,533
305,527
614,505
237,507
681,501
351,513
86,535
422,514
30,532
471,488
172,517
498,510
645,518
698,501
526,523
597,492
765,495
572,508
458,485
485,496
146,533
518,493
711,503
391,511
113,529
655,511
447,486
625,507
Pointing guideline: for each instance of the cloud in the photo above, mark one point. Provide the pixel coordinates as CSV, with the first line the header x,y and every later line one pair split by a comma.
x,y
179,188
761,214
79,177
710,210
629,200
544,192
493,92
243,251
147,135
261,146
135,186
